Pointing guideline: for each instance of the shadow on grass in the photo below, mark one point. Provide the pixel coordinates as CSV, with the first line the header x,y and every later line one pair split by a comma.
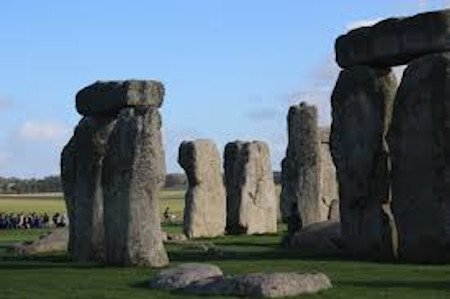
x,y
385,284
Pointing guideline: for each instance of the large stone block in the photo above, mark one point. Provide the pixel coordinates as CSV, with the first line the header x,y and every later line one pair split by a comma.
x,y
395,41
361,109
308,174
133,174
205,199
419,142
108,97
251,199
81,171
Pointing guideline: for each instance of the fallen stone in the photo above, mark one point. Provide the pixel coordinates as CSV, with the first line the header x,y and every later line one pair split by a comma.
x,y
133,173
361,111
322,238
420,146
395,41
261,285
183,275
251,199
108,97
205,199
56,240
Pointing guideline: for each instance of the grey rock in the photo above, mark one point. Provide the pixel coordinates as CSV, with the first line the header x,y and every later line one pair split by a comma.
x,y
420,146
108,97
81,171
133,173
329,191
322,238
205,199
395,41
251,199
56,240
183,275
361,110
334,214
261,285
308,174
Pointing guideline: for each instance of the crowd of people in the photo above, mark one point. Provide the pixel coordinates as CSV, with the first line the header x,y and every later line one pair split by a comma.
x,y
31,220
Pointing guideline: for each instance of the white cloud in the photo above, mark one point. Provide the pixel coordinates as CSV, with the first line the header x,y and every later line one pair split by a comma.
x,y
43,131
362,23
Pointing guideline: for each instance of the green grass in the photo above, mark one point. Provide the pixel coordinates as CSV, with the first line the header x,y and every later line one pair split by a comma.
x,y
53,276
174,199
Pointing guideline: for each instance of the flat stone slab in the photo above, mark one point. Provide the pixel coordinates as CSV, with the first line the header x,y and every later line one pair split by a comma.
x,y
208,280
56,240
183,275
395,41
108,97
261,285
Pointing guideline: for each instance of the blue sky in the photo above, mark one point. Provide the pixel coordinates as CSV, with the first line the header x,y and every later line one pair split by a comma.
x,y
231,68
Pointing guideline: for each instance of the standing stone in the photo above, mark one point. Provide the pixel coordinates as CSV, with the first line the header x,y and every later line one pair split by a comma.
x,y
205,199
81,170
251,198
132,177
329,191
308,174
419,141
361,109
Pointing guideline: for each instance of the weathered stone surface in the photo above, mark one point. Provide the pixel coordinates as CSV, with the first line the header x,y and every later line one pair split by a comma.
x,y
395,41
133,173
108,97
329,191
361,110
308,174
205,199
251,199
55,240
183,275
81,171
419,142
261,285
322,238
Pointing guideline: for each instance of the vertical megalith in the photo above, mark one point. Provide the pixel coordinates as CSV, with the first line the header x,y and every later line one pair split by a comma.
x,y
205,199
308,174
132,177
361,110
112,170
251,197
81,170
419,141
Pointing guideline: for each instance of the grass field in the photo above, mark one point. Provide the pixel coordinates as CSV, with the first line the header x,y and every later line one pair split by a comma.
x,y
52,204
53,276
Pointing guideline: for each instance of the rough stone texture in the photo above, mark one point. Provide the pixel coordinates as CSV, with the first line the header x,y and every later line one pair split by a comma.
x,y
205,199
329,191
361,109
183,275
56,240
133,173
395,41
334,211
308,174
419,141
108,97
251,199
81,171
322,238
261,285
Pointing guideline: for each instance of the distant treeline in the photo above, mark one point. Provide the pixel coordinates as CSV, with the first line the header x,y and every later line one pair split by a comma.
x,y
52,184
